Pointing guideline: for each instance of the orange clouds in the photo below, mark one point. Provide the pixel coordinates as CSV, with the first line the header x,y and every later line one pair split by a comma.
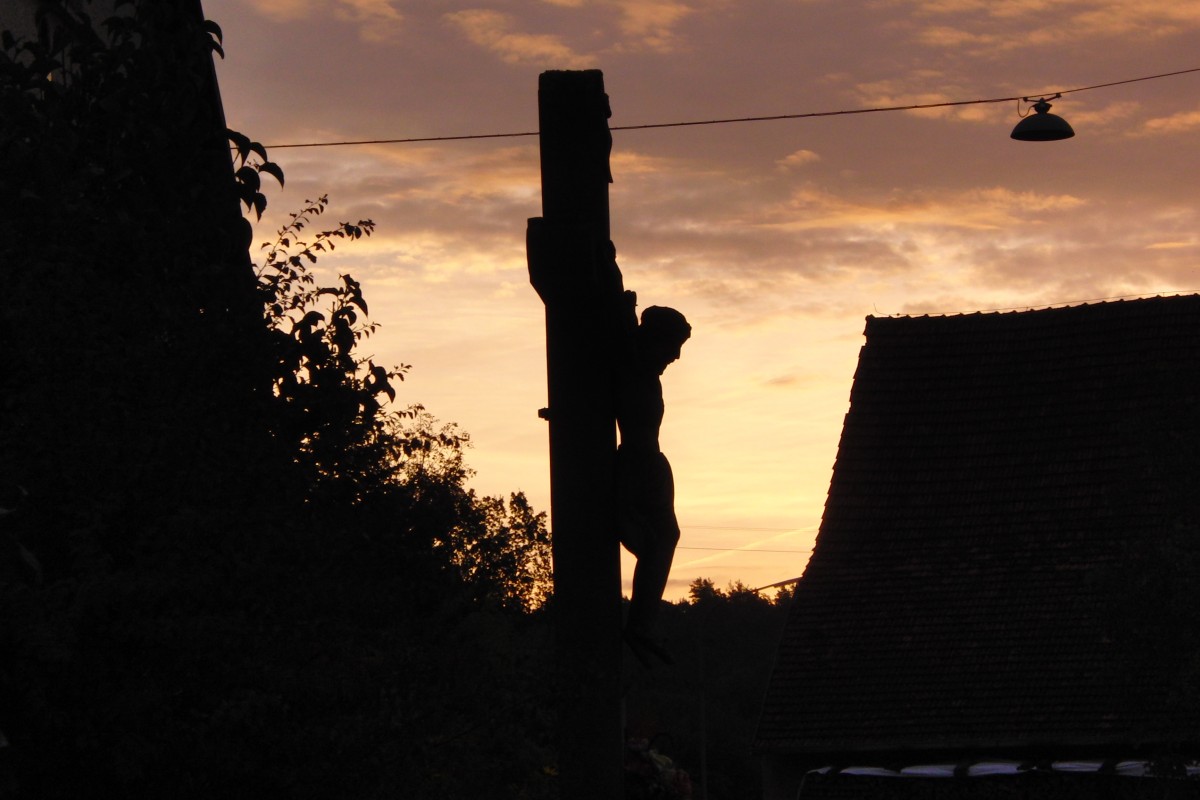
x,y
284,10
494,31
994,28
798,159
652,23
611,27
775,238
1175,123
979,209
377,20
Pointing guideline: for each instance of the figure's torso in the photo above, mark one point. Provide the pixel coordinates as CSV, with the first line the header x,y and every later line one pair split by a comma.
x,y
639,410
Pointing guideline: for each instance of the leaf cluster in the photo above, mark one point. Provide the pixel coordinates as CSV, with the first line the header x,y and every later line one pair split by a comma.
x,y
96,112
257,576
350,448
248,171
130,312
327,407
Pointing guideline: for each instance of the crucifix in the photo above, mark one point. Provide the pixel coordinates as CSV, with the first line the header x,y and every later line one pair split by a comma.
x,y
563,247
603,368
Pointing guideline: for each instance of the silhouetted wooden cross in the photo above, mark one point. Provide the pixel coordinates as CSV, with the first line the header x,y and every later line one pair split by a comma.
x,y
579,288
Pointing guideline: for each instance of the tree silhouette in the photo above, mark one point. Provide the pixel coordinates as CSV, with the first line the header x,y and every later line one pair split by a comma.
x,y
256,578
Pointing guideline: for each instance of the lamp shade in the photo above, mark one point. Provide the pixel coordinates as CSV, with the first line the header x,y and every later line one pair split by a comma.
x,y
1042,126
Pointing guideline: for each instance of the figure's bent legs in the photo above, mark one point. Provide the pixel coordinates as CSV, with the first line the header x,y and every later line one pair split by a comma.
x,y
650,580
649,530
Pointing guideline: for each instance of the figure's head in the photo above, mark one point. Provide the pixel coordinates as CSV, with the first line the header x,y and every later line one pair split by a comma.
x,y
661,335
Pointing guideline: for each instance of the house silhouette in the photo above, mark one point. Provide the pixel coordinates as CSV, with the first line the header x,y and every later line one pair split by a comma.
x,y
1002,590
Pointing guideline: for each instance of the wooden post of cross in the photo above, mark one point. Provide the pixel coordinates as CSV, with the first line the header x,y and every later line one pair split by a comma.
x,y
581,287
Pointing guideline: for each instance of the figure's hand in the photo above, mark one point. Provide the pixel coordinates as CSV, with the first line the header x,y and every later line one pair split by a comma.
x,y
608,274
607,251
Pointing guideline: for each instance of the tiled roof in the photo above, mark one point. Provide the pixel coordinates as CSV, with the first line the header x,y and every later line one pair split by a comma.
x,y
1001,478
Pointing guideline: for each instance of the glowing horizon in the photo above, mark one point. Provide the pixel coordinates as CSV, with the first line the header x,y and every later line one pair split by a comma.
x,y
776,239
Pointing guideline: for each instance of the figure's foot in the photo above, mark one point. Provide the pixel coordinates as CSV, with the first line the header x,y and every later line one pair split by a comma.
x,y
647,649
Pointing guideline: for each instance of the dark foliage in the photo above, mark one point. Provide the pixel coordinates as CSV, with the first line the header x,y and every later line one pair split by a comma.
x,y
226,569
230,566
702,711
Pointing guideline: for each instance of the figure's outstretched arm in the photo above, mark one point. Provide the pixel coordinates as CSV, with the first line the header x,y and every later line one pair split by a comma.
x,y
567,265
623,302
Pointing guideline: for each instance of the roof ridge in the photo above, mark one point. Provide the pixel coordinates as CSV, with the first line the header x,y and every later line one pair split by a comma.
x,y
1129,299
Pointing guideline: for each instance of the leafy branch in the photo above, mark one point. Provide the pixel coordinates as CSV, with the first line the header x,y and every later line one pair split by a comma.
x,y
329,397
247,171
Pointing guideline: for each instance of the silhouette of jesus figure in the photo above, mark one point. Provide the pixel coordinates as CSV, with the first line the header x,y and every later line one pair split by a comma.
x,y
645,488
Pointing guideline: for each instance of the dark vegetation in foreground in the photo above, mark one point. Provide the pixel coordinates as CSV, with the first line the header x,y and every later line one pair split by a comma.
x,y
230,566
702,711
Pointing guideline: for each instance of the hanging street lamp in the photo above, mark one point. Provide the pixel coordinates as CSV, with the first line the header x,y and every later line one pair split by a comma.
x,y
1042,126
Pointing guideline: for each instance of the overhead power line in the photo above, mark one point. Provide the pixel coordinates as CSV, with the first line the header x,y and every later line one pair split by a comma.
x,y
729,120
740,549
745,528
776,585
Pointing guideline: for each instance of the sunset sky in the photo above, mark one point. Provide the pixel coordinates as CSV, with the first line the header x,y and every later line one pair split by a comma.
x,y
776,239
